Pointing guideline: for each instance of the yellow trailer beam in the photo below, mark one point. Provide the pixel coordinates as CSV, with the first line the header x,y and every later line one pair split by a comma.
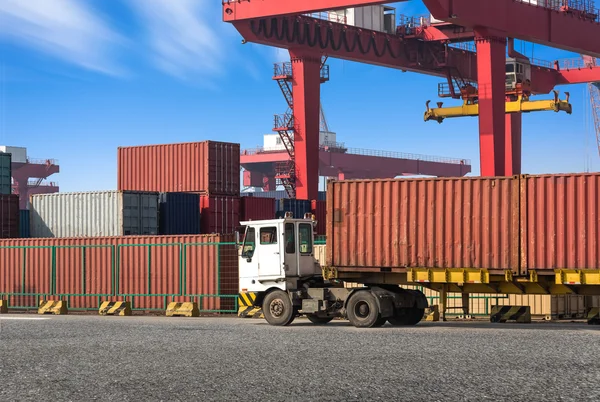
x,y
521,105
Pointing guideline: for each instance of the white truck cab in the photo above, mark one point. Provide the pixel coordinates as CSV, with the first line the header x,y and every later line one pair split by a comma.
x,y
275,253
518,71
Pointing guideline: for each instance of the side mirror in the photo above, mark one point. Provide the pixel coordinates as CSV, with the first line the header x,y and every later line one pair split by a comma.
x,y
248,259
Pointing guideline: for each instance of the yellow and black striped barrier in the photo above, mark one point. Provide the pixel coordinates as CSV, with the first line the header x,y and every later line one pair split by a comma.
x,y
246,308
185,309
432,313
56,307
520,314
3,306
122,308
593,316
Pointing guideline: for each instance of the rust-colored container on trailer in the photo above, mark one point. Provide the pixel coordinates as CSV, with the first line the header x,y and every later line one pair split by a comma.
x,y
219,214
130,265
560,220
256,208
9,216
392,225
208,167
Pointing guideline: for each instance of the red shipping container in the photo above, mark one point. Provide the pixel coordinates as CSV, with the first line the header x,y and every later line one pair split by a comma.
x,y
256,208
219,214
9,216
207,167
435,223
112,265
560,220
319,209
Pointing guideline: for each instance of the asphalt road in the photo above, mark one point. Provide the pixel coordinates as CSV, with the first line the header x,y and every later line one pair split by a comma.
x,y
82,358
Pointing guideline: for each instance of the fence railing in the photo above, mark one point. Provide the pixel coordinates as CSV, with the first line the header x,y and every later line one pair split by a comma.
x,y
39,270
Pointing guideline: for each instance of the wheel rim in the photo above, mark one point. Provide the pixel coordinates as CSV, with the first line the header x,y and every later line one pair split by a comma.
x,y
277,308
362,310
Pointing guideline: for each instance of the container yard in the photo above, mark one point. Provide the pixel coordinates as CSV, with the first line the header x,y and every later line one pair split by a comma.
x,y
206,252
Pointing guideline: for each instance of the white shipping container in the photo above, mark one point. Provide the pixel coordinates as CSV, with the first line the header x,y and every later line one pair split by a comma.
x,y
94,214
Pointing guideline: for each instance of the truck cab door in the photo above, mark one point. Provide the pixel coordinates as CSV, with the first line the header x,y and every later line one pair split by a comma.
x,y
270,262
249,262
306,261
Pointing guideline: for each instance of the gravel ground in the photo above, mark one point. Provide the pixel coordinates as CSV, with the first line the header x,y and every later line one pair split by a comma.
x,y
157,358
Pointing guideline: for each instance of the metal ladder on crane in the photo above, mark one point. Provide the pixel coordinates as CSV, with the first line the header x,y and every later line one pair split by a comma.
x,y
285,171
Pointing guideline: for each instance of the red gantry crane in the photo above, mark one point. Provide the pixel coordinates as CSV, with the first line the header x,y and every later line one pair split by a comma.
x,y
563,24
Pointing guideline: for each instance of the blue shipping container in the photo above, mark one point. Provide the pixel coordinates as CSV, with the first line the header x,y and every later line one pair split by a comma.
x,y
297,207
24,228
179,213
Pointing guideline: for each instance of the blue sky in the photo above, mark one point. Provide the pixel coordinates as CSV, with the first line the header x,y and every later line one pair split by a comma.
x,y
80,78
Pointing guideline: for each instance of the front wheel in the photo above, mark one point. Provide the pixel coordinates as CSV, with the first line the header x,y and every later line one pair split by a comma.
x,y
278,309
318,320
362,310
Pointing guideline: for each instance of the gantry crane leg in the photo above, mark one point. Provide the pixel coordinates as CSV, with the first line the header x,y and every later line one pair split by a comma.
x,y
512,137
306,93
491,62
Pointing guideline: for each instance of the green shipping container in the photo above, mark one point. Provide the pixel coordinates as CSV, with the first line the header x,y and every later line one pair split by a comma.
x,y
5,173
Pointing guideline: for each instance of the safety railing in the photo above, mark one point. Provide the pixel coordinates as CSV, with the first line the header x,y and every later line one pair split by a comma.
x,y
585,8
577,63
467,46
402,155
285,70
40,161
41,183
100,275
330,16
283,122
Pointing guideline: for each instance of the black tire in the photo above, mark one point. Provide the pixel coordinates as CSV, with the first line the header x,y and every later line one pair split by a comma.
x,y
410,316
362,310
318,320
278,309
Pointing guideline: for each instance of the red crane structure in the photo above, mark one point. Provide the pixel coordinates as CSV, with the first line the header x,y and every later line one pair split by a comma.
x,y
572,25
267,167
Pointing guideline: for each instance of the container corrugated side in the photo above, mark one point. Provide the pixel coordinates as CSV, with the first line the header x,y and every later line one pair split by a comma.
x,y
101,213
209,167
279,194
5,173
179,214
560,219
219,214
438,223
24,229
256,208
9,216
141,265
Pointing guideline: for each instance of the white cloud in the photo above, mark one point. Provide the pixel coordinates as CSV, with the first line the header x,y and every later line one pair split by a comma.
x,y
183,41
67,29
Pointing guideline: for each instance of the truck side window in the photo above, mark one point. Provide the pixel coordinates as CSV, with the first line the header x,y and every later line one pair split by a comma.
x,y
249,243
290,239
268,235
305,233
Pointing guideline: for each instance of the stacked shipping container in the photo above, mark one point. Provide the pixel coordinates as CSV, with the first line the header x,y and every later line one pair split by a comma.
x,y
254,209
94,214
179,213
209,168
5,173
9,216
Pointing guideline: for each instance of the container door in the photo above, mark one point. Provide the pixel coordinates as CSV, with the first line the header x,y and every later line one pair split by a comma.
x,y
269,253
131,214
148,214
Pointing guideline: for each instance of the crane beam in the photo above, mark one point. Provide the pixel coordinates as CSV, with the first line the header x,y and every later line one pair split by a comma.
x,y
538,21
236,10
381,49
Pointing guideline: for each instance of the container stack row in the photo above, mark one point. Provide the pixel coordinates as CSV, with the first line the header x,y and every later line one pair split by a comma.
x,y
9,203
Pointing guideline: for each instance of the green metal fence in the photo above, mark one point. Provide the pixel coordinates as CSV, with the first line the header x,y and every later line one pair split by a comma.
x,y
45,259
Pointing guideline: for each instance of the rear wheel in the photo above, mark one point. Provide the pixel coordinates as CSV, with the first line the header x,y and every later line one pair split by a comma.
x,y
362,310
410,316
278,309
318,320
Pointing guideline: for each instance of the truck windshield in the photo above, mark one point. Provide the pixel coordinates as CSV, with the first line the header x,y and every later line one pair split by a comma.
x,y
249,243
